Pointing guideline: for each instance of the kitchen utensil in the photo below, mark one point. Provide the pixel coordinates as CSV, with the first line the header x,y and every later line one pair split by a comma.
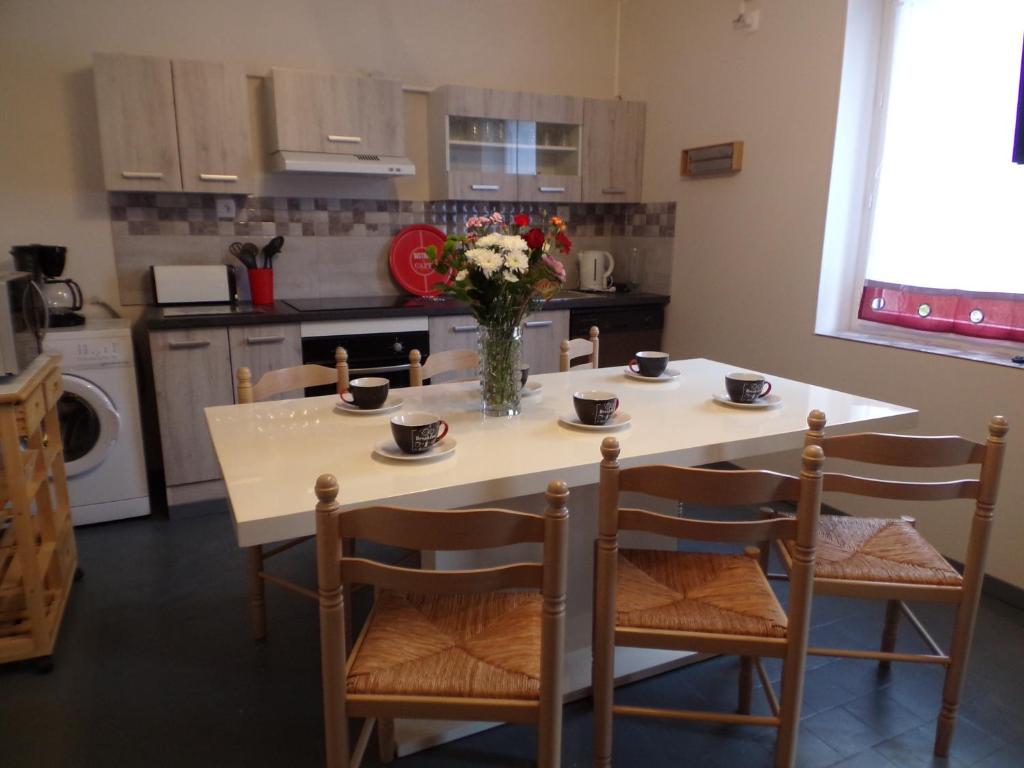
x,y
417,432
595,407
245,253
596,270
261,286
270,250
746,387
651,364
410,264
368,392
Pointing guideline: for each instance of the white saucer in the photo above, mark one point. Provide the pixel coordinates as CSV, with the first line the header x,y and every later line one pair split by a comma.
x,y
389,450
768,401
391,404
669,374
620,419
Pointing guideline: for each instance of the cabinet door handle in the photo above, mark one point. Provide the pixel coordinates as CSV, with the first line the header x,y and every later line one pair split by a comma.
x,y
379,369
539,323
484,187
613,191
465,328
218,177
264,339
141,175
551,189
191,344
336,139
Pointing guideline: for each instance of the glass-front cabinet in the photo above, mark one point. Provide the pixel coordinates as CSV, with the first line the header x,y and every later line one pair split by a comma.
x,y
505,145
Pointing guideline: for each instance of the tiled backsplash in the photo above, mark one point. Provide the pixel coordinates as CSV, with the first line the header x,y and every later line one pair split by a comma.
x,y
338,246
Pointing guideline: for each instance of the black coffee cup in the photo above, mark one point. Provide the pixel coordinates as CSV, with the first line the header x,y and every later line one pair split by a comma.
x,y
524,374
746,387
368,393
417,432
595,407
651,364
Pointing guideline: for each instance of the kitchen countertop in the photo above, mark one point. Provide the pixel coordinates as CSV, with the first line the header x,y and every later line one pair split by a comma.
x,y
362,307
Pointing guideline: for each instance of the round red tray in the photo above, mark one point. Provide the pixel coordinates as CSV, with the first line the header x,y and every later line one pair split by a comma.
x,y
410,263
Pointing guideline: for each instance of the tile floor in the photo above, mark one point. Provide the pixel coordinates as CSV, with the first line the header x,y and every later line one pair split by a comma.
x,y
155,667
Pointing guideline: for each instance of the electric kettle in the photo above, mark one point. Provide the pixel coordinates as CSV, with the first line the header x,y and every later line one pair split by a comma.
x,y
596,270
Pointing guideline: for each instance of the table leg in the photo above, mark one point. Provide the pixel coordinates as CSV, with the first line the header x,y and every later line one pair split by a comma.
x,y
257,604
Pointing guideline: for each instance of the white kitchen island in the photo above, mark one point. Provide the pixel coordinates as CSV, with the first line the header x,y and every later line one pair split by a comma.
x,y
271,454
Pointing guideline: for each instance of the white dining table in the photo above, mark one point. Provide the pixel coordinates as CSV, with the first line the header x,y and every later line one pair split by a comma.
x,y
271,453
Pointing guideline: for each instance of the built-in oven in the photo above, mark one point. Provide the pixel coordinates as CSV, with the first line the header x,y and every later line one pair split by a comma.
x,y
376,347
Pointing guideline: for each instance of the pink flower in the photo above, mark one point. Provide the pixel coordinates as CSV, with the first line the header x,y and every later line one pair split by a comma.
x,y
497,218
475,222
556,266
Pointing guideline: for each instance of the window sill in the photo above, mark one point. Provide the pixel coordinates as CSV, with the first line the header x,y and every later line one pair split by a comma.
x,y
994,353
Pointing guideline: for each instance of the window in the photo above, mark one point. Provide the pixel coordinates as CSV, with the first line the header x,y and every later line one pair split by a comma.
x,y
940,246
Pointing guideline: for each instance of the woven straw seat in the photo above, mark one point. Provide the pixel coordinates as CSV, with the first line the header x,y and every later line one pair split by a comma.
x,y
696,592
881,550
477,645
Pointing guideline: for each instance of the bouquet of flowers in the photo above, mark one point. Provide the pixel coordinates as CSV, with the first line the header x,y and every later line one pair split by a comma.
x,y
502,271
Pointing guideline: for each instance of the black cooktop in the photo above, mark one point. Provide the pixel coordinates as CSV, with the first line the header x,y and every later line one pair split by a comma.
x,y
362,302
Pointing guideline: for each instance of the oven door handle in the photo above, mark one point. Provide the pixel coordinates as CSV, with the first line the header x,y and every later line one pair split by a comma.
x,y
378,369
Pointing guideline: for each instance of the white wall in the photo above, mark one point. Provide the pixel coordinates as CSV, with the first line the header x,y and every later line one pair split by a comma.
x,y
748,248
51,187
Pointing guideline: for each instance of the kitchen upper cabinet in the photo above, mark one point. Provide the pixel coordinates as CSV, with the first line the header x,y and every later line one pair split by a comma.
x,y
213,126
191,370
613,150
542,338
262,348
548,148
337,114
138,135
172,126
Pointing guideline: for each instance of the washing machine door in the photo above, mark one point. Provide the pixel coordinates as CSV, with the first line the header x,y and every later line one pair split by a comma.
x,y
89,425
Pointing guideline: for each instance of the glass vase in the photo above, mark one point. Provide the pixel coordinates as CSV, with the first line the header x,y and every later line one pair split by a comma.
x,y
500,349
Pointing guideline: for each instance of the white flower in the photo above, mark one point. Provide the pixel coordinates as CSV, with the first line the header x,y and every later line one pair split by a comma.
x,y
462,275
510,277
518,261
513,244
492,240
487,260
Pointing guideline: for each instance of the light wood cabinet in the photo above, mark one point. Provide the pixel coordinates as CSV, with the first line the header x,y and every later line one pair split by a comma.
x,y
451,332
138,135
213,126
171,126
542,335
613,150
262,348
548,138
191,370
337,114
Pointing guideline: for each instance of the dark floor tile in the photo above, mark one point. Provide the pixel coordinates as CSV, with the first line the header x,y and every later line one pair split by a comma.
x,y
842,731
868,759
1011,756
883,714
913,749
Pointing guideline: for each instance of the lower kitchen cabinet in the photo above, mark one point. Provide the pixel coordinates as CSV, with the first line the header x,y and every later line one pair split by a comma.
x,y
262,348
451,332
191,370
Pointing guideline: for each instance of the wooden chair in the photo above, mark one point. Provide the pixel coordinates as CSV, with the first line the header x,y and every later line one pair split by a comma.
x,y
573,349
442,645
703,602
273,383
440,362
887,559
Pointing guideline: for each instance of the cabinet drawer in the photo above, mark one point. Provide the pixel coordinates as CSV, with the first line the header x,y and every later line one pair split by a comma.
x,y
191,371
262,348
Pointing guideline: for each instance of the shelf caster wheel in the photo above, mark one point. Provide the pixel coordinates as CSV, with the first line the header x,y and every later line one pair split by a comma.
x,y
79,574
44,665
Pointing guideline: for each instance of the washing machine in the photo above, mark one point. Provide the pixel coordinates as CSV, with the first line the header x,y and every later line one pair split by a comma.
x,y
99,421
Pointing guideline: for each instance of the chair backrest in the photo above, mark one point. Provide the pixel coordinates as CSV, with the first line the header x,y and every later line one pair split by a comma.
x,y
573,349
297,377
715,488
440,362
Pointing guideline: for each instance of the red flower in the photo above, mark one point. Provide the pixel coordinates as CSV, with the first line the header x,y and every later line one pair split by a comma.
x,y
534,239
521,220
564,243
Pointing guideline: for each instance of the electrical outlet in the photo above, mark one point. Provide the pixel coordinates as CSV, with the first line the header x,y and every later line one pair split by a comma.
x,y
226,208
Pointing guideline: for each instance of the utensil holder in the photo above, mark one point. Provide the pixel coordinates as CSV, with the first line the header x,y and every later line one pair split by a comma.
x,y
261,286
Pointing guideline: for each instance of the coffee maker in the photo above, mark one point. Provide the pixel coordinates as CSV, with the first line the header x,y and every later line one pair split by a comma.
x,y
46,264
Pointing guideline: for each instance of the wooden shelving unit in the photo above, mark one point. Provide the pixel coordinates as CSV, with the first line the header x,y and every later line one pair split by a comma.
x,y
38,560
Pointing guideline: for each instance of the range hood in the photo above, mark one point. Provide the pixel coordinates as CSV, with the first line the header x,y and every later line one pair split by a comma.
x,y
325,162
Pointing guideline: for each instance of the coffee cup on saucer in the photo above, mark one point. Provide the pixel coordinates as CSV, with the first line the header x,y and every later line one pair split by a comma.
x,y
746,387
595,407
418,431
368,393
649,364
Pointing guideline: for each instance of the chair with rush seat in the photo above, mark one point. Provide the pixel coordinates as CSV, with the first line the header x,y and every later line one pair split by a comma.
x,y
274,383
457,645
887,559
440,362
703,602
573,349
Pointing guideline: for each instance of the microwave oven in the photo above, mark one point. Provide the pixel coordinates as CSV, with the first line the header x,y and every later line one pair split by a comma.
x,y
23,322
